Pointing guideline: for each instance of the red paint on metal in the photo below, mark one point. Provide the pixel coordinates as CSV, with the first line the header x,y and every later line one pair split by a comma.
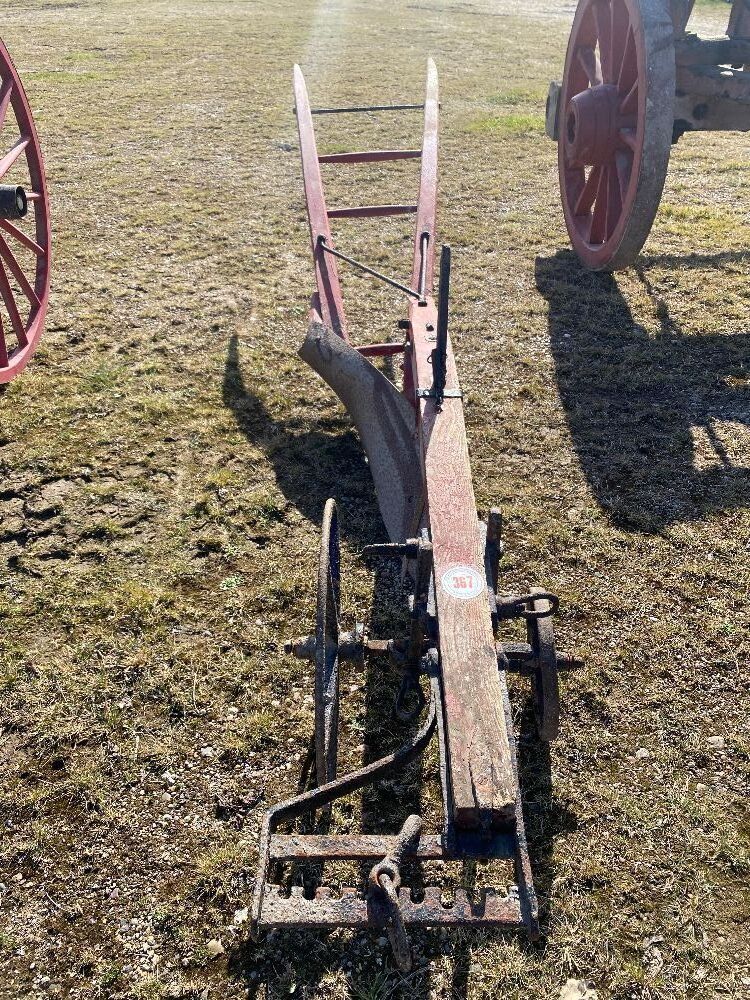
x,y
326,273
12,155
25,158
380,350
18,273
427,201
370,211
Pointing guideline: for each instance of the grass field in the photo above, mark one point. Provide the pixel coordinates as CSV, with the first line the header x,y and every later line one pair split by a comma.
x,y
165,461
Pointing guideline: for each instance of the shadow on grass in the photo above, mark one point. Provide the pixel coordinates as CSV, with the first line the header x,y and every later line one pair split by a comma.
x,y
637,404
310,465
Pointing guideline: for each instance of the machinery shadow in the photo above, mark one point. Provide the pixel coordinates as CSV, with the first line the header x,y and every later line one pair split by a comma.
x,y
310,465
650,417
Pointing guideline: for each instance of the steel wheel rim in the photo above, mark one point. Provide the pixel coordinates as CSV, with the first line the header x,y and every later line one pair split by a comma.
x,y
326,647
24,259
615,126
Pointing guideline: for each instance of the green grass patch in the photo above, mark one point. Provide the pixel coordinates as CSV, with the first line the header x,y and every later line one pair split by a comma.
x,y
510,124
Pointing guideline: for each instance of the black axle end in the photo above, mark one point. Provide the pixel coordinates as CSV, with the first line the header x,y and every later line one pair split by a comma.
x,y
14,203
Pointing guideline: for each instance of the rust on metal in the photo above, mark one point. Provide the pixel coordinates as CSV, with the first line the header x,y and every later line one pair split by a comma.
x,y
367,108
355,909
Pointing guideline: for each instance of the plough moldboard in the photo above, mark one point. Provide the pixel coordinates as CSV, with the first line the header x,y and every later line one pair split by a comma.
x,y
24,227
635,81
415,440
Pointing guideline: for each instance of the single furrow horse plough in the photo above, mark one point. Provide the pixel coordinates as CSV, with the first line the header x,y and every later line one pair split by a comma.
x,y
415,440
635,80
24,235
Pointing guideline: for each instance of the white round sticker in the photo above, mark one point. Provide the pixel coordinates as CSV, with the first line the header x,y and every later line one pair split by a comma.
x,y
462,582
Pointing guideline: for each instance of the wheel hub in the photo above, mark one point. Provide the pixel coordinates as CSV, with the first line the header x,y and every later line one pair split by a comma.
x,y
592,125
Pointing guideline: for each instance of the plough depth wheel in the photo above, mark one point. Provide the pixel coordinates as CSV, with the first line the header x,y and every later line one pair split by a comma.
x,y
327,647
24,239
616,111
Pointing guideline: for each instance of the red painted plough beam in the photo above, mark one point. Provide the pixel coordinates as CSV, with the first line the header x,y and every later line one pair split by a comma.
x,y
415,440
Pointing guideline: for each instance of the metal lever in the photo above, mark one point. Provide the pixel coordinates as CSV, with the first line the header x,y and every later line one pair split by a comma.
x,y
395,550
439,356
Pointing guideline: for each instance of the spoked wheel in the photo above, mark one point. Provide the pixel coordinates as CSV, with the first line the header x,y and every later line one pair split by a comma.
x,y
327,647
544,686
615,126
24,227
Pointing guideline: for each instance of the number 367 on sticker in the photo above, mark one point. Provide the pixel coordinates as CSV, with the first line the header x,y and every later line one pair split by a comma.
x,y
463,582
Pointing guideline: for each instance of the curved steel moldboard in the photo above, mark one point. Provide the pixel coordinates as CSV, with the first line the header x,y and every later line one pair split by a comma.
x,y
384,419
353,909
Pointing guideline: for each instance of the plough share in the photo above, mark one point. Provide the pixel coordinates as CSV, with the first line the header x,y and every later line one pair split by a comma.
x,y
415,440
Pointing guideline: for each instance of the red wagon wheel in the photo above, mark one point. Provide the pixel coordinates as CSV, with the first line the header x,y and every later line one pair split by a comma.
x,y
615,126
24,227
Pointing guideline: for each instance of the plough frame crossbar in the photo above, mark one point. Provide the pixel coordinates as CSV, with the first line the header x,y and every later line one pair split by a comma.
x,y
415,440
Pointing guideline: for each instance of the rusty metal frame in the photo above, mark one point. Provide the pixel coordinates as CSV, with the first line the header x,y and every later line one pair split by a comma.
x,y
273,907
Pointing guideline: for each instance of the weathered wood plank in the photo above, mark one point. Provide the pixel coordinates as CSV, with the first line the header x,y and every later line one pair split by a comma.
x,y
480,767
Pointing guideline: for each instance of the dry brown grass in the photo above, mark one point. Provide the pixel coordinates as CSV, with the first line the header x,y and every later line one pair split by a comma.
x,y
166,459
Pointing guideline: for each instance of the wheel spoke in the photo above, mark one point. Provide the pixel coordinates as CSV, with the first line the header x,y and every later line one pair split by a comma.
x,y
5,100
17,271
614,200
629,105
21,236
621,35
627,76
588,192
12,155
6,293
589,62
627,135
599,218
623,168
603,17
